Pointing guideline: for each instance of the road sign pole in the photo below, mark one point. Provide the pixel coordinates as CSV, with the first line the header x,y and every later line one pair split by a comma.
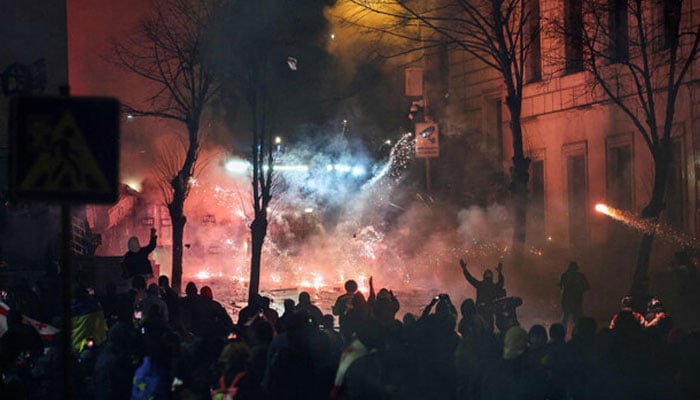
x,y
427,174
67,233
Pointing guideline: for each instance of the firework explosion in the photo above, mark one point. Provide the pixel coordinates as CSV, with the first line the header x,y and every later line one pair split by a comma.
x,y
335,215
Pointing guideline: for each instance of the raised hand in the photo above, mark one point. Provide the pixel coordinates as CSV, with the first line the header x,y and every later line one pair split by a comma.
x,y
499,268
463,263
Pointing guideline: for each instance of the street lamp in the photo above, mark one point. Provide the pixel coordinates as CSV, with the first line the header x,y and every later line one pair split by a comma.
x,y
278,144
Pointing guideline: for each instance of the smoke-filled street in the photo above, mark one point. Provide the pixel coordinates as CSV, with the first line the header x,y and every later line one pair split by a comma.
x,y
349,200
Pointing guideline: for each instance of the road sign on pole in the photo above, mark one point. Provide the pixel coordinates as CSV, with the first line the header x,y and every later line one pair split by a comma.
x,y
413,82
427,140
64,149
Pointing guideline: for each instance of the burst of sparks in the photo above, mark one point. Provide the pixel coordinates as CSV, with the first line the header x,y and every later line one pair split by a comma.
x,y
648,226
203,275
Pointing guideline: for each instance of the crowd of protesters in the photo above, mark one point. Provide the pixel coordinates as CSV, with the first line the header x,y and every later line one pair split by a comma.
x,y
150,343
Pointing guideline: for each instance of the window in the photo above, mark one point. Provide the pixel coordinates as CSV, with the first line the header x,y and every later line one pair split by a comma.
x,y
667,16
533,65
619,176
577,192
573,25
537,200
619,31
672,18
674,188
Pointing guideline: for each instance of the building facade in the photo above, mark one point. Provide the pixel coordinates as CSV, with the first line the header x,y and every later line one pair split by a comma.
x,y
584,149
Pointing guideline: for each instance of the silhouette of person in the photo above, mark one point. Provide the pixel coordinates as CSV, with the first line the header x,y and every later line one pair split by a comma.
x,y
313,312
135,261
656,318
487,291
627,314
349,308
573,284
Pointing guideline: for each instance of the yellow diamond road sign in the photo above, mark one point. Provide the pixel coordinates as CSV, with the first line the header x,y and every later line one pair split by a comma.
x,y
64,149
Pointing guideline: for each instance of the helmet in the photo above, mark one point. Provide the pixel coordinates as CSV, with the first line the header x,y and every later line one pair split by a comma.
x,y
626,301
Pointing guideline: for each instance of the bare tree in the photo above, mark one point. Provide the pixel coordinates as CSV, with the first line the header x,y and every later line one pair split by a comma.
x,y
639,54
499,33
167,50
269,57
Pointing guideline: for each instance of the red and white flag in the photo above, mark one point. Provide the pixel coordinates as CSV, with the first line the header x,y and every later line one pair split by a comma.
x,y
45,330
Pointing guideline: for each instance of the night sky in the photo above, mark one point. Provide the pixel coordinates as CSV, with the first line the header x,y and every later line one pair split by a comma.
x,y
92,24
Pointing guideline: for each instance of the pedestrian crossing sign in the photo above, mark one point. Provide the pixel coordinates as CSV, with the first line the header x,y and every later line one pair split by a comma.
x,y
64,149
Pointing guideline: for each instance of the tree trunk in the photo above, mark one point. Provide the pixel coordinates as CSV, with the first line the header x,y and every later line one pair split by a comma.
x,y
640,280
178,221
520,176
180,185
258,231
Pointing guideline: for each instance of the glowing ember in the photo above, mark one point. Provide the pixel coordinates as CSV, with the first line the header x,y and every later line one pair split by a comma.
x,y
203,275
134,185
602,208
318,282
276,278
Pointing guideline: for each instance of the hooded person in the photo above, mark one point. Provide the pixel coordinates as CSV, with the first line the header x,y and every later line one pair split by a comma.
x,y
516,375
153,306
314,313
515,343
487,291
573,284
209,318
232,362
135,261
114,368
88,323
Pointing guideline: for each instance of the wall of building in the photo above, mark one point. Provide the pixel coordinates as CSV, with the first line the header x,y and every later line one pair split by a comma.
x,y
564,116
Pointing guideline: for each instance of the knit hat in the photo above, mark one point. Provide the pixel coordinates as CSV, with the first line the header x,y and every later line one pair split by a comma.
x,y
515,342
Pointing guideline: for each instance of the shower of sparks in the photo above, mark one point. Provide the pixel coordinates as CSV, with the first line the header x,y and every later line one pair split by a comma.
x,y
329,225
654,227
